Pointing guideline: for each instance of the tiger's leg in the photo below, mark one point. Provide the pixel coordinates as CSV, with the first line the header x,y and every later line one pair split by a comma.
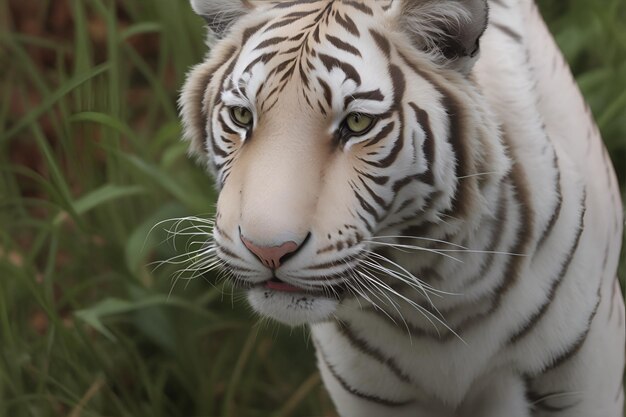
x,y
586,381
501,394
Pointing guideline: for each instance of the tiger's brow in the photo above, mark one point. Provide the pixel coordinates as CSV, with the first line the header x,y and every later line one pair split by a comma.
x,y
371,95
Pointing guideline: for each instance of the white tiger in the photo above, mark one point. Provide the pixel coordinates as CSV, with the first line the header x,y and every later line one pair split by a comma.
x,y
447,222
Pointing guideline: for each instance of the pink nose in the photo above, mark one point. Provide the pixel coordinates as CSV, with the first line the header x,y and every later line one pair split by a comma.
x,y
270,256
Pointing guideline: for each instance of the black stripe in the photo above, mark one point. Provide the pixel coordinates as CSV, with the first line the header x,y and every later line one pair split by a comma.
x,y
508,31
459,144
348,24
332,62
239,269
321,108
382,42
328,95
536,317
359,6
281,23
366,206
217,150
403,182
220,231
282,67
300,14
368,226
522,245
377,180
226,129
339,44
333,264
383,134
289,4
269,95
461,199
362,346
429,144
217,99
270,42
304,77
399,87
497,234
264,58
201,117
524,241
391,156
251,31
228,253
557,208
615,292
372,95
378,199
575,347
404,205
357,393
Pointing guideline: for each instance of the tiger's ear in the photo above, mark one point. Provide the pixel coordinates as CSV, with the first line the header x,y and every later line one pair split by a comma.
x,y
221,14
449,28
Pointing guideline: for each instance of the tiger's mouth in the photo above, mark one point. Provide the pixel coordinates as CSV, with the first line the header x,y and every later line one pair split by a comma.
x,y
291,305
278,285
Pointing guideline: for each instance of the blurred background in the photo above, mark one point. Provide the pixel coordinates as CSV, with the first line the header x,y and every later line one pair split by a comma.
x,y
90,161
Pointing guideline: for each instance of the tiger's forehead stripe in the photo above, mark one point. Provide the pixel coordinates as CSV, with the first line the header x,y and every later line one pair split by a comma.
x,y
348,24
339,44
299,33
382,42
249,32
331,62
359,6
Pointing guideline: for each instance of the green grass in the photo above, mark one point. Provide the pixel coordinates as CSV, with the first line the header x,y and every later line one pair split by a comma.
x,y
90,160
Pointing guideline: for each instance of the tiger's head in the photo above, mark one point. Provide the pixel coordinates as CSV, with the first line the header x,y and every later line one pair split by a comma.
x,y
330,126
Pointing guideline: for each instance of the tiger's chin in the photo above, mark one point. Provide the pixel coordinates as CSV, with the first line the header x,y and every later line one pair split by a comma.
x,y
292,308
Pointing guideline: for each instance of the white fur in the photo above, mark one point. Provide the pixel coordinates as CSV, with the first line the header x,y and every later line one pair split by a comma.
x,y
291,309
523,118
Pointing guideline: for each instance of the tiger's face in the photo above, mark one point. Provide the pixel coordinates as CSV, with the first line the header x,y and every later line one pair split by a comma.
x,y
323,141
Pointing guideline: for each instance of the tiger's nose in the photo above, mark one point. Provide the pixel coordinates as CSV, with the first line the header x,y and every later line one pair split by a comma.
x,y
272,256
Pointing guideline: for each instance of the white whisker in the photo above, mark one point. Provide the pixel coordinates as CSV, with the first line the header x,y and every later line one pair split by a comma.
x,y
419,238
410,276
378,283
444,252
425,312
480,174
416,248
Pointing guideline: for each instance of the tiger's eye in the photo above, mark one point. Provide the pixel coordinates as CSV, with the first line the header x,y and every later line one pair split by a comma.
x,y
359,124
241,116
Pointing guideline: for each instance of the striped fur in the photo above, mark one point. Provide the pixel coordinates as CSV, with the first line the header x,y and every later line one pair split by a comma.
x,y
457,259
